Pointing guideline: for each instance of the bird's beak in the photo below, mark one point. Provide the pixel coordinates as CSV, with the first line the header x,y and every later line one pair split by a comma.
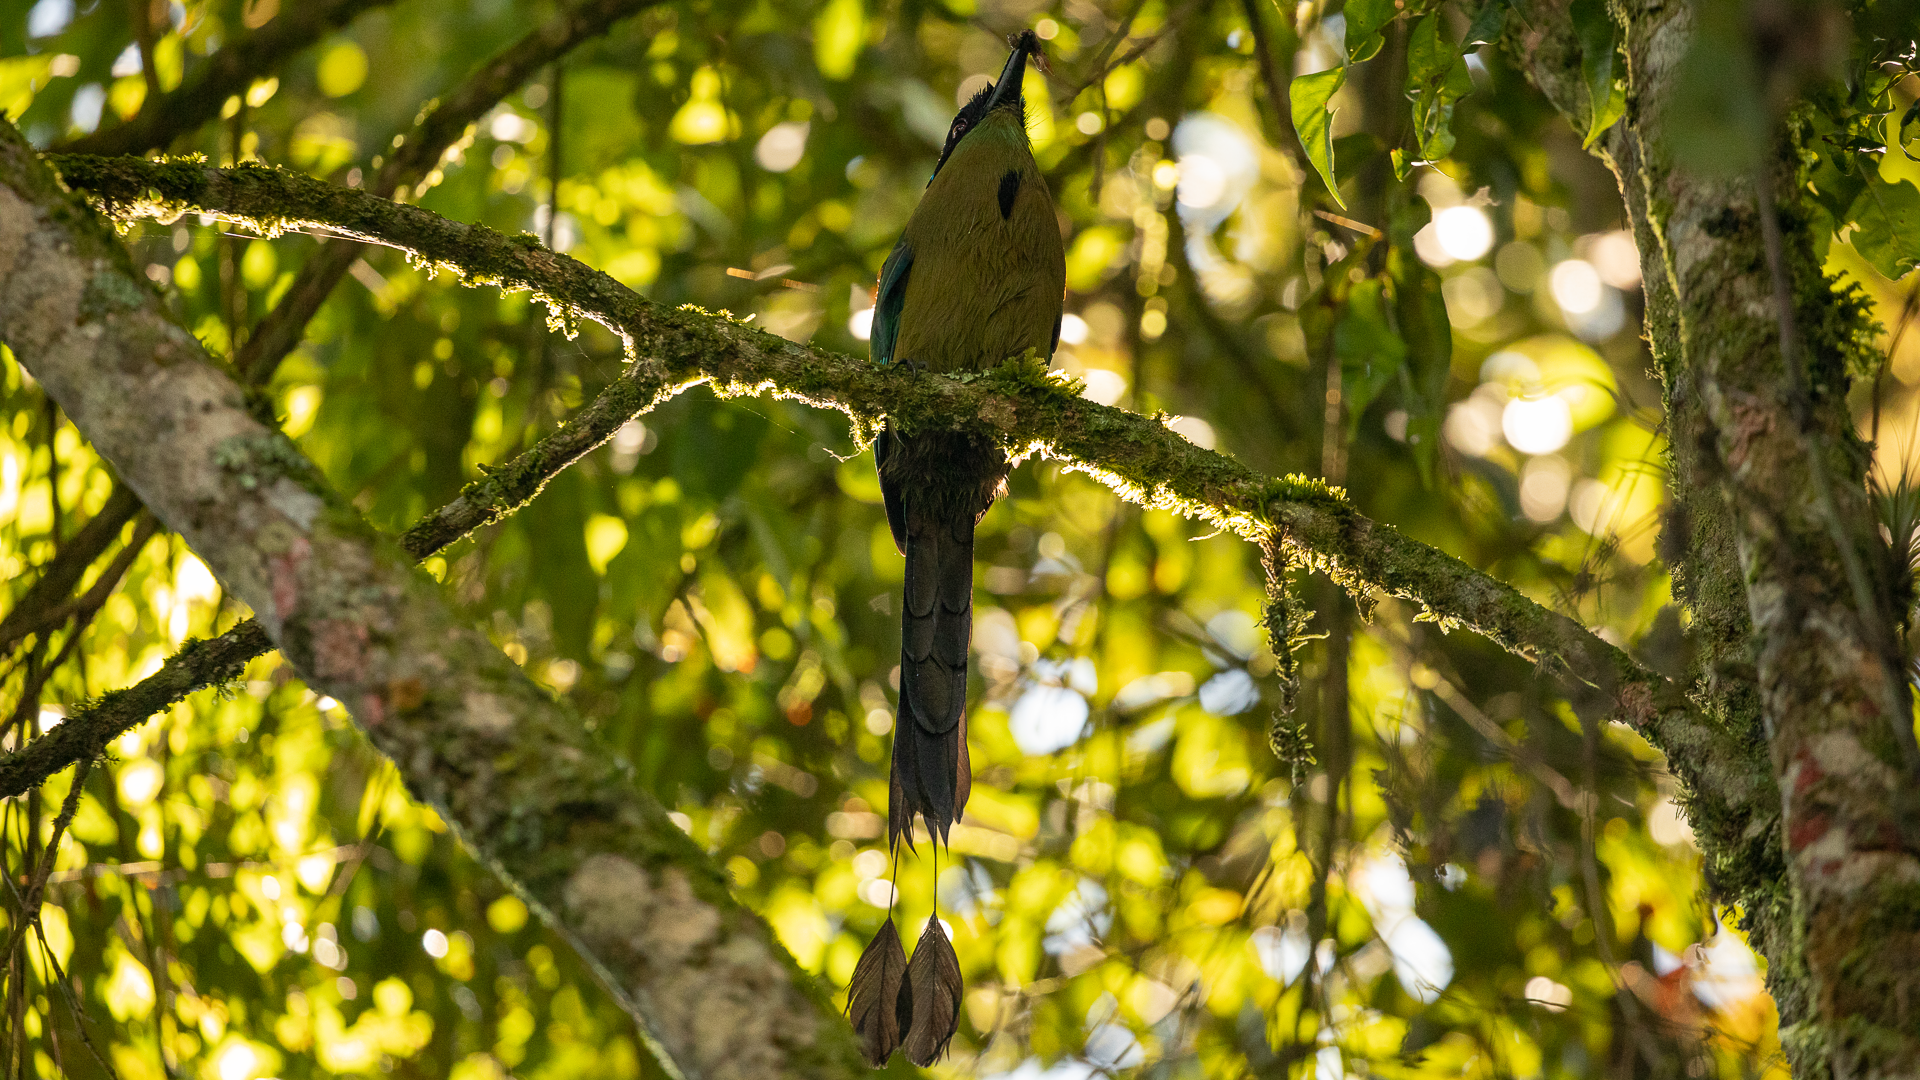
x,y
1007,90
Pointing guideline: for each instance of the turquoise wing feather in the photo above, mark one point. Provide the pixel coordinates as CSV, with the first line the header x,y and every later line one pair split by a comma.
x,y
892,299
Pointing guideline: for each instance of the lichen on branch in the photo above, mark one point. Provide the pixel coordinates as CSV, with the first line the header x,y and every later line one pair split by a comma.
x,y
1139,457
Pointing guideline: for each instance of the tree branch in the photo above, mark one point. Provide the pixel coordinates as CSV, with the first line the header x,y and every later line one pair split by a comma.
x,y
1275,84
1137,456
89,727
46,602
412,167
228,72
514,772
88,730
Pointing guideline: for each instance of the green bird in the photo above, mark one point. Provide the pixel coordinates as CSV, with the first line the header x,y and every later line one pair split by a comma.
x,y
979,276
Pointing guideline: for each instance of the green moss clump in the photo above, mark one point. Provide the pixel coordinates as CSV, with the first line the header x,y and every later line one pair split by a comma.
x,y
1300,488
1026,374
257,460
1286,622
109,292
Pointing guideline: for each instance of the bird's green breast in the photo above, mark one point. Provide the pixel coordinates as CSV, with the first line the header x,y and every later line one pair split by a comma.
x,y
989,270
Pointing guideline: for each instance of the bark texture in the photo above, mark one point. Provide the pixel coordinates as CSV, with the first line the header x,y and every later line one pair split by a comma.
x,y
1775,554
511,770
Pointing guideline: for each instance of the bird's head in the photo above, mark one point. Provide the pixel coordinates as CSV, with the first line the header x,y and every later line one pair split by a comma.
x,y
1002,104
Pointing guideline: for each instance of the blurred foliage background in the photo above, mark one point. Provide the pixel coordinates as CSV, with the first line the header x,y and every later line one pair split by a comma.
x,y
246,889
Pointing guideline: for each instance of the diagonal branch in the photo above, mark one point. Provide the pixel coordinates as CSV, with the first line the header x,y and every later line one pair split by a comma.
x,y
90,727
1137,456
411,168
228,72
47,602
524,784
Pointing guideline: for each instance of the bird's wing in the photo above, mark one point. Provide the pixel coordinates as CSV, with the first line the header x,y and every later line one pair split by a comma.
x,y
893,297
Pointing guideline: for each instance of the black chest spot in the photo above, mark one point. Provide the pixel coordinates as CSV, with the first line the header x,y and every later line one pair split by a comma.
x,y
1009,189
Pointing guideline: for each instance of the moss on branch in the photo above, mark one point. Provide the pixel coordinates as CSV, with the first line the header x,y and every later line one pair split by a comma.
x,y
91,726
1021,406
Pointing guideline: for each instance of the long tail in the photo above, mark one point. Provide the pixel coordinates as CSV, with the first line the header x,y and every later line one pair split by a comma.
x,y
937,485
931,774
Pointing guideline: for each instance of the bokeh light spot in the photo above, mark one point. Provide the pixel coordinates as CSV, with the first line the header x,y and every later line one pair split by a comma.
x,y
1537,425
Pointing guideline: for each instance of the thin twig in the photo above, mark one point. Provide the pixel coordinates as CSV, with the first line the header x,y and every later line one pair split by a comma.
x,y
30,916
30,904
199,98
1098,64
90,727
89,602
1276,92
44,605
140,13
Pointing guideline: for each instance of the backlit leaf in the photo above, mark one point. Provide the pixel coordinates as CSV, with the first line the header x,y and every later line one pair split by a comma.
x,y
1886,225
1313,121
1597,33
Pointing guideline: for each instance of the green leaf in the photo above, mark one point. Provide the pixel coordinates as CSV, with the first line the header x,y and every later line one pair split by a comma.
x,y
1313,121
1436,78
1487,24
1371,354
1459,81
1428,54
1365,19
1422,315
1433,125
1886,226
1615,108
1595,29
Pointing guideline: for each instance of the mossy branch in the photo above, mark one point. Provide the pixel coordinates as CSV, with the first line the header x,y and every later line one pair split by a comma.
x,y
413,166
1028,412
91,726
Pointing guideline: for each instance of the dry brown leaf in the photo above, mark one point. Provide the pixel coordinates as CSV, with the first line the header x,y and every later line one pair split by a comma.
x,y
876,999
933,977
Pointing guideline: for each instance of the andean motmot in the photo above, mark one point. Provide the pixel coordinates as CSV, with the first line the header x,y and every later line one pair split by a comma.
x,y
978,277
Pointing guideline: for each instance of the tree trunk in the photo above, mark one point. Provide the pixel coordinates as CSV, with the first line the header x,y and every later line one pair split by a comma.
x,y
514,773
1775,552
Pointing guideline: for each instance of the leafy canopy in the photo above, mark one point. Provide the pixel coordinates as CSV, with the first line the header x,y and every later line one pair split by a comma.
x,y
1405,232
